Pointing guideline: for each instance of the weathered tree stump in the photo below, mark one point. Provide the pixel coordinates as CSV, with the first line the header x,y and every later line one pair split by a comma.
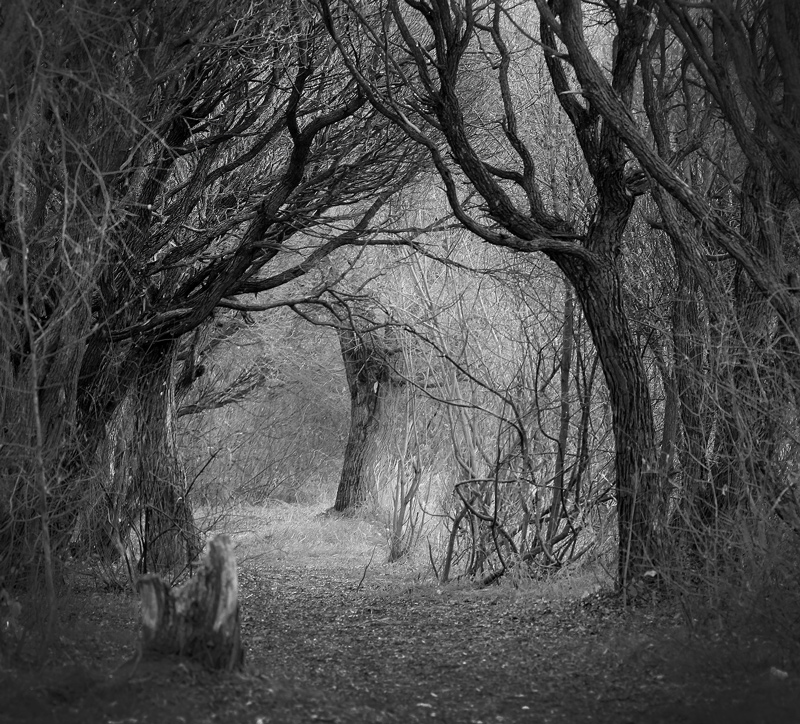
x,y
200,619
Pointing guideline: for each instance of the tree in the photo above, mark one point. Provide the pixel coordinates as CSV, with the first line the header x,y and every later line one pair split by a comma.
x,y
367,371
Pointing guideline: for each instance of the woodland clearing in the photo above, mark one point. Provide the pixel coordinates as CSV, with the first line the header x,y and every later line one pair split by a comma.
x,y
333,634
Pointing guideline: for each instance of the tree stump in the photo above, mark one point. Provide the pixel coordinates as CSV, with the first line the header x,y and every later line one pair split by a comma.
x,y
200,619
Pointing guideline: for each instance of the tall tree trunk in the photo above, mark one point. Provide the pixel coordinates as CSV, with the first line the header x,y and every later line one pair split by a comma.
x,y
755,387
600,295
366,372
41,346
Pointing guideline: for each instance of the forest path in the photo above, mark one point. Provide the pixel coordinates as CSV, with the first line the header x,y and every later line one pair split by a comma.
x,y
418,653
334,635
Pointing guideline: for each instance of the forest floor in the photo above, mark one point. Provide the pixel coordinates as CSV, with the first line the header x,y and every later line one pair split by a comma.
x,y
334,635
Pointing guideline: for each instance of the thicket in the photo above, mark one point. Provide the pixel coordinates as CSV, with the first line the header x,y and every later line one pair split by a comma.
x,y
546,253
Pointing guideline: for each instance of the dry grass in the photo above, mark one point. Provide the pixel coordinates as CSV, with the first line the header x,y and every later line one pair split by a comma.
x,y
307,536
301,535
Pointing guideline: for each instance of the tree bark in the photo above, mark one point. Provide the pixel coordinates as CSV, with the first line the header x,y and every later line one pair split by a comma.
x,y
599,288
698,493
157,501
199,620
366,371
600,295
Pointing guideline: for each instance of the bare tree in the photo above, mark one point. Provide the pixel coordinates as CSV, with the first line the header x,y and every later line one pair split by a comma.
x,y
718,141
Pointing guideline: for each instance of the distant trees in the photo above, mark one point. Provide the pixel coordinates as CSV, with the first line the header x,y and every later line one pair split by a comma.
x,y
268,418
367,371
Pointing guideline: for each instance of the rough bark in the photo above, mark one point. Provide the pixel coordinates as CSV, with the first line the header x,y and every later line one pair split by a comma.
x,y
366,372
157,502
753,384
692,393
199,620
766,273
600,295
599,289
41,345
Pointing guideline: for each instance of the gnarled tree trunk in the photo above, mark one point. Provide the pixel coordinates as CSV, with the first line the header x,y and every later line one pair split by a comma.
x,y
366,372
637,482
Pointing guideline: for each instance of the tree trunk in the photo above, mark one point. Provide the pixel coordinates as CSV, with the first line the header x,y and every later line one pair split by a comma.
x,y
698,493
753,386
41,346
199,620
157,502
366,372
600,295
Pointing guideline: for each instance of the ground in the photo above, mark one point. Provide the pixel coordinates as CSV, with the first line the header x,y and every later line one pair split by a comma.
x,y
335,635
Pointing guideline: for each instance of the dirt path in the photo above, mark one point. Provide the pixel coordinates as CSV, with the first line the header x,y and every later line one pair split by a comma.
x,y
460,655
325,646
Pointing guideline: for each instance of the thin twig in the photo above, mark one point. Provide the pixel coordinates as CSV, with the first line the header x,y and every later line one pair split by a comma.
x,y
366,568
